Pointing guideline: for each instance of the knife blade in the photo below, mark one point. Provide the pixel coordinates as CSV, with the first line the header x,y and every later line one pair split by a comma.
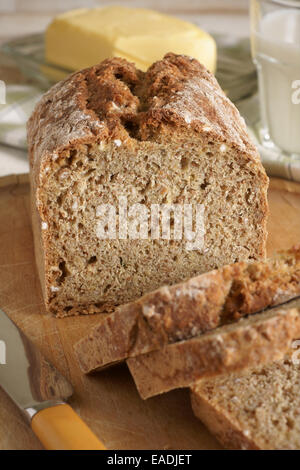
x,y
41,391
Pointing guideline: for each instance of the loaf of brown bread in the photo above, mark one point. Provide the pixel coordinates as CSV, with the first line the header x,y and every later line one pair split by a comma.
x,y
257,410
257,339
167,136
191,308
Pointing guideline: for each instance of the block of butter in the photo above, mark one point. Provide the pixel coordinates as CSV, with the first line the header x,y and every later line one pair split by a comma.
x,y
84,37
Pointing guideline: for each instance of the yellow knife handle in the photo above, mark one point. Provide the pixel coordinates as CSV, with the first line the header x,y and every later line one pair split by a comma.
x,y
60,428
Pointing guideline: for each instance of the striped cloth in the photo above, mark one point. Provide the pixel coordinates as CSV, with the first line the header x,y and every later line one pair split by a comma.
x,y
20,102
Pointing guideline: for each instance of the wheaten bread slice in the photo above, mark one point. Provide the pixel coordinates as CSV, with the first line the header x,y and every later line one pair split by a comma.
x,y
257,410
179,312
251,341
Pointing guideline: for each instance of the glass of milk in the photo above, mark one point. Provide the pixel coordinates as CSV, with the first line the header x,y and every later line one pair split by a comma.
x,y
275,42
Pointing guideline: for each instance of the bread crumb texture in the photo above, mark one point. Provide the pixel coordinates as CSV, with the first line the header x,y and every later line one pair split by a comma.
x,y
188,309
256,410
167,136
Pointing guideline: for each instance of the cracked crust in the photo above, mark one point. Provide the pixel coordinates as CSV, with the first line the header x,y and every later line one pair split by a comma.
x,y
114,100
174,313
252,341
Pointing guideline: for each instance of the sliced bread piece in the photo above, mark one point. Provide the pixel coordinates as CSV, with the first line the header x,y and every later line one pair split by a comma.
x,y
257,410
179,312
251,341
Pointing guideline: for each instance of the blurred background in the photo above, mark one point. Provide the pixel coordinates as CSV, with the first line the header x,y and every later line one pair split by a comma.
x,y
24,17
227,20
28,16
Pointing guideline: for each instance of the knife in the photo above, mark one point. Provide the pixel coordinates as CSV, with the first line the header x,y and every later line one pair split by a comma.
x,y
40,391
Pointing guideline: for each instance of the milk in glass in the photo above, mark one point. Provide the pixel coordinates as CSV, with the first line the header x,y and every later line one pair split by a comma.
x,y
276,52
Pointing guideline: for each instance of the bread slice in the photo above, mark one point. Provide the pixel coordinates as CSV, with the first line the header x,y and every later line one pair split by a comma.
x,y
257,410
112,136
258,339
191,308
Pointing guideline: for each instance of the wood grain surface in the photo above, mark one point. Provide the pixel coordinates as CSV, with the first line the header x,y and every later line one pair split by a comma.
x,y
108,401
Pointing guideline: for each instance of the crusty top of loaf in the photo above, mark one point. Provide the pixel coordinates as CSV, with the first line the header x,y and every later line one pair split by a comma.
x,y
116,101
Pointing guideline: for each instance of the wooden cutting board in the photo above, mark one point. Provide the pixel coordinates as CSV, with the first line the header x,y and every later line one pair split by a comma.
x,y
108,401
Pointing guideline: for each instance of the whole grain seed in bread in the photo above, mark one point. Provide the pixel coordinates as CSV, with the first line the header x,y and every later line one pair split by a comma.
x,y
256,410
174,313
251,341
167,136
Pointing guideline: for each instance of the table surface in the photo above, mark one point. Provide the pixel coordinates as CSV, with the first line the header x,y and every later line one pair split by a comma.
x,y
107,401
18,17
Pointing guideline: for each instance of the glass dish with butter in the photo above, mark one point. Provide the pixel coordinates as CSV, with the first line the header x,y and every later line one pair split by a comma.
x,y
80,38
